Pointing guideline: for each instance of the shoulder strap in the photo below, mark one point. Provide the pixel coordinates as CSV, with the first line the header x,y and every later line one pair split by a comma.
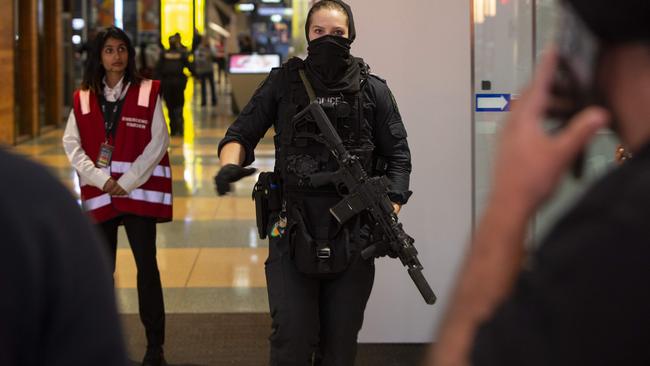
x,y
145,92
365,69
307,84
84,100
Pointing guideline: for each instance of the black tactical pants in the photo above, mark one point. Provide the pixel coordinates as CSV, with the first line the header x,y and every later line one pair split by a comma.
x,y
173,92
176,121
315,321
141,232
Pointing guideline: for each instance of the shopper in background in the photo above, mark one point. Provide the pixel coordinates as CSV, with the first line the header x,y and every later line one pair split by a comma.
x,y
245,43
204,57
171,72
150,55
221,61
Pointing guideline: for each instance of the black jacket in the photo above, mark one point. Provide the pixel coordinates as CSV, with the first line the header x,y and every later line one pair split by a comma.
x,y
271,100
584,298
57,305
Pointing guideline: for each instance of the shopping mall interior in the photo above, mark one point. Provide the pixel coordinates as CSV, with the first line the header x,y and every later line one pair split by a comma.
x,y
453,66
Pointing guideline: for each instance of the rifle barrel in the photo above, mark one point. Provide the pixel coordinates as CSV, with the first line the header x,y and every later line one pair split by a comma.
x,y
422,285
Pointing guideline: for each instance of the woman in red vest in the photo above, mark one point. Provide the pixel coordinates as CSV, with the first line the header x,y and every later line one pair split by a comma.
x,y
116,139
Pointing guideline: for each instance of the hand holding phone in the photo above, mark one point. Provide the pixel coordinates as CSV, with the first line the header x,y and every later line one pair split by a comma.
x,y
574,83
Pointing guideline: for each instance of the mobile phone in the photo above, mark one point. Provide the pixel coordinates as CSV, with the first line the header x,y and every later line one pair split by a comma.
x,y
574,82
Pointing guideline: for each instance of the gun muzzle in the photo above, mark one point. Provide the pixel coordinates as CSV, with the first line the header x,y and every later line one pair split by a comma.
x,y
422,285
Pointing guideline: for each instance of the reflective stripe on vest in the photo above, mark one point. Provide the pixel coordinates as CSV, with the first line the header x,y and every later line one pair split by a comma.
x,y
122,167
137,195
143,96
151,196
145,91
84,99
97,202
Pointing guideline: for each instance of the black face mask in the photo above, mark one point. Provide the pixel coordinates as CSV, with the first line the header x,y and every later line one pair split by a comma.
x,y
329,56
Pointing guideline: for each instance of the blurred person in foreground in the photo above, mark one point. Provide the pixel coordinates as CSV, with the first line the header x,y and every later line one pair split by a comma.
x,y
57,305
583,297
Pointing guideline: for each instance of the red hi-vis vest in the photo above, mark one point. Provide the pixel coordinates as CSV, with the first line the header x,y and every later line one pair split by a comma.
x,y
154,197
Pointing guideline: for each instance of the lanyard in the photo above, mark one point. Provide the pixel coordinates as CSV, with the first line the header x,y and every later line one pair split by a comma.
x,y
111,112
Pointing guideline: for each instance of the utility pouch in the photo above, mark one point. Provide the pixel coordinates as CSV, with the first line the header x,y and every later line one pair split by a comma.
x,y
319,251
267,196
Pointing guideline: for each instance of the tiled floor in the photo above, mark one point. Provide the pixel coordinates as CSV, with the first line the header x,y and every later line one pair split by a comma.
x,y
210,257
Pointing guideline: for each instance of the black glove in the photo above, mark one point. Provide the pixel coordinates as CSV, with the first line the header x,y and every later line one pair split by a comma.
x,y
230,173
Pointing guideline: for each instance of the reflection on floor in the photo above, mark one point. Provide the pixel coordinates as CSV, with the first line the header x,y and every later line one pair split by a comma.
x,y
210,258
241,340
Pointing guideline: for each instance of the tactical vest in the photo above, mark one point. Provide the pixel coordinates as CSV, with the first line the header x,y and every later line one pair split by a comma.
x,y
320,246
173,64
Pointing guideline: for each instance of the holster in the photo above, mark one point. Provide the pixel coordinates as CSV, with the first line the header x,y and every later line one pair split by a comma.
x,y
267,195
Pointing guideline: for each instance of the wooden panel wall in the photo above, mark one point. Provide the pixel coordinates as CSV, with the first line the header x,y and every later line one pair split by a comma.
x,y
53,58
27,80
7,116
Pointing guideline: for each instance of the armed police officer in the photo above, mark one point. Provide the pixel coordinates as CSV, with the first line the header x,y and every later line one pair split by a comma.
x,y
318,284
171,72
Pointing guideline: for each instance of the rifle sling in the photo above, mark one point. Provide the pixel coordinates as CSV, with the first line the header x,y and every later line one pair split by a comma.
x,y
307,84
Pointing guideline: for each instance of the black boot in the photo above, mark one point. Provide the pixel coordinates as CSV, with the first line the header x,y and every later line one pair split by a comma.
x,y
154,357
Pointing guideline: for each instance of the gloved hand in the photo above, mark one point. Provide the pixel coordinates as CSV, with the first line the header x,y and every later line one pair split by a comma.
x,y
230,173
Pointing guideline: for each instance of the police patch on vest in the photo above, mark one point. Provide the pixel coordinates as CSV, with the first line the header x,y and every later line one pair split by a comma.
x,y
330,100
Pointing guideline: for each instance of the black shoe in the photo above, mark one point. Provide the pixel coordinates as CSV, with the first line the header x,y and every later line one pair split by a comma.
x,y
154,357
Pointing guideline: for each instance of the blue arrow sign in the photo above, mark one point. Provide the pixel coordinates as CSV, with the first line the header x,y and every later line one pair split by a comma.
x,y
492,102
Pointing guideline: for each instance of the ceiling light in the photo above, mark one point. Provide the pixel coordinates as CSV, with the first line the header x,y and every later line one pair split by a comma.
x,y
246,7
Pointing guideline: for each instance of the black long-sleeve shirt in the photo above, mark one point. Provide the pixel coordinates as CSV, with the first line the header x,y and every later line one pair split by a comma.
x,y
272,99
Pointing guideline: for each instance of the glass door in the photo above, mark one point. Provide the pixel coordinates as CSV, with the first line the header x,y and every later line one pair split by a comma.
x,y
509,37
503,58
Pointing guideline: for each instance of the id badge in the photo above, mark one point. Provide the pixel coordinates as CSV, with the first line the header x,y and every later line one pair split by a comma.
x,y
105,154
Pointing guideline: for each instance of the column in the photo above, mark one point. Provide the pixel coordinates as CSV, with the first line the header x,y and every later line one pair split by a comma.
x,y
27,77
7,112
53,60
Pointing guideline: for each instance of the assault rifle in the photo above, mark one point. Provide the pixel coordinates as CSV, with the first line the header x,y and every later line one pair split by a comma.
x,y
362,192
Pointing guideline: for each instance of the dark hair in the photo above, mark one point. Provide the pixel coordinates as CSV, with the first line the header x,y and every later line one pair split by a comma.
x,y
325,4
615,22
94,72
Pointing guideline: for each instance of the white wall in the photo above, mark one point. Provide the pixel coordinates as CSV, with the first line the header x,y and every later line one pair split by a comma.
x,y
422,47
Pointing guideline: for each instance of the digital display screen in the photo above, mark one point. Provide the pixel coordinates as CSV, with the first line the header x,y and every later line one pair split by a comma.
x,y
253,63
